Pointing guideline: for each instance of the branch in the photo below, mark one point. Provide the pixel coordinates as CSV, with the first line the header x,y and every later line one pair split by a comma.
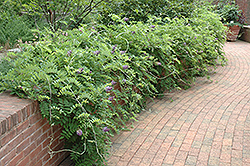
x,y
88,12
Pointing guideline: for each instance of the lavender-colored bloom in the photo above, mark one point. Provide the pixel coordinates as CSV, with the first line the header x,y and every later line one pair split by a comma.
x,y
80,70
133,32
113,82
122,52
216,38
93,28
90,72
105,129
112,52
79,132
108,88
96,52
185,43
69,52
113,48
153,26
159,63
111,98
201,51
126,19
195,37
124,80
148,57
125,67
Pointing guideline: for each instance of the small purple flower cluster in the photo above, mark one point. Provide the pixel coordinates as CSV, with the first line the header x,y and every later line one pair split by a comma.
x,y
96,52
79,132
113,49
80,70
108,88
69,52
126,19
113,82
105,129
111,98
122,52
125,67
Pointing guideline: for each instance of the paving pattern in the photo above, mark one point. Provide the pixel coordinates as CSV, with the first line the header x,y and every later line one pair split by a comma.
x,y
208,124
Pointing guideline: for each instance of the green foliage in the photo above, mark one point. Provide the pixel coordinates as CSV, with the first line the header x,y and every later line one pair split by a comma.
x,y
13,27
230,13
61,14
140,10
96,77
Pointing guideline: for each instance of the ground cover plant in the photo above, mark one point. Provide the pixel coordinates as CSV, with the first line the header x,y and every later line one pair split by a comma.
x,y
94,78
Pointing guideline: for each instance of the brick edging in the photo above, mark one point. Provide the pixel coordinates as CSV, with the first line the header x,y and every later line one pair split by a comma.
x,y
25,135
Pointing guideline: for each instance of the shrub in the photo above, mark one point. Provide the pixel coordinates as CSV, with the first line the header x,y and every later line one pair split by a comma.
x,y
95,78
140,10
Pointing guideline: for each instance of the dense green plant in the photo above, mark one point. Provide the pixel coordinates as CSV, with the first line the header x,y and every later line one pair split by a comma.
x,y
63,14
140,10
95,78
230,13
13,26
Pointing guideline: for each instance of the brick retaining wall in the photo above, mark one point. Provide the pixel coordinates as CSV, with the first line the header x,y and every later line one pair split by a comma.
x,y
245,5
25,136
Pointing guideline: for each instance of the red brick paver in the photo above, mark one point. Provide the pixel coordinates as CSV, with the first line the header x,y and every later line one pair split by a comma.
x,y
208,124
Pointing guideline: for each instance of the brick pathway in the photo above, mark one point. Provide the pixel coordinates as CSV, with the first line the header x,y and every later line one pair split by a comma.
x,y
208,124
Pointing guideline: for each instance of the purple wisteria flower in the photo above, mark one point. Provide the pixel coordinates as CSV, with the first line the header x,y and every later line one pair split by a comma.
x,y
158,63
122,52
113,82
125,67
105,129
80,70
111,98
126,19
108,88
69,52
153,26
79,132
96,52
113,48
